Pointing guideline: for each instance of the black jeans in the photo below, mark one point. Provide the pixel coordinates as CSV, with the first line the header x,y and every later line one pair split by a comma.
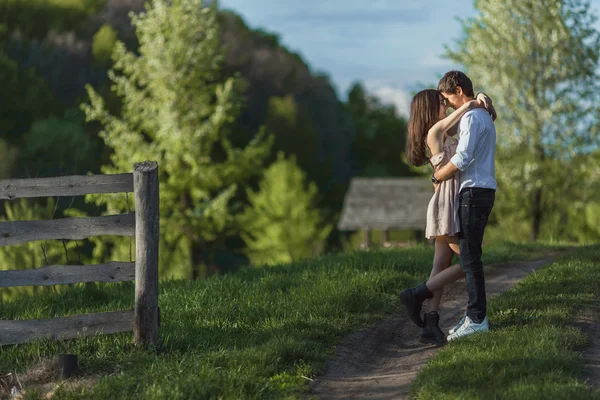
x,y
474,209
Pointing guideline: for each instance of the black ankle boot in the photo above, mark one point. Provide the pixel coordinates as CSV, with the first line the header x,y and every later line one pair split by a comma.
x,y
413,299
431,332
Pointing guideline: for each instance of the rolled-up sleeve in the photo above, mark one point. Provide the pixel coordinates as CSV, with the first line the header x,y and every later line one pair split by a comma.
x,y
470,130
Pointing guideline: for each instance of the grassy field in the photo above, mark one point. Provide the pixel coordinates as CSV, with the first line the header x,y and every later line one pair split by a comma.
x,y
259,333
533,350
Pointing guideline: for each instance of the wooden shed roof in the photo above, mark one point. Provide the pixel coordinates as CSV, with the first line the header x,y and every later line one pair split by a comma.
x,y
386,203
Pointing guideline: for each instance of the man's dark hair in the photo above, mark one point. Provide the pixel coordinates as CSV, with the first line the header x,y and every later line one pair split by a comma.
x,y
452,79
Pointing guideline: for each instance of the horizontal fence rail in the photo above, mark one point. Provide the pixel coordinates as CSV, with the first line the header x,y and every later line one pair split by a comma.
x,y
68,274
74,185
71,327
17,232
143,224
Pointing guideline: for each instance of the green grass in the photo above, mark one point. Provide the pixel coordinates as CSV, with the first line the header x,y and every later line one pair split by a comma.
x,y
258,333
533,349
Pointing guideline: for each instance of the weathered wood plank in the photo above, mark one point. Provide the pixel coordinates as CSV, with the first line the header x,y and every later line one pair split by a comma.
x,y
366,238
385,236
16,232
145,183
15,331
67,274
74,185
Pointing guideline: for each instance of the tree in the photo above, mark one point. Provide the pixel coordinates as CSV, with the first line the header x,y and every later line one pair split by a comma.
x,y
34,18
25,95
33,254
178,109
282,223
277,75
538,60
103,43
294,135
380,135
60,146
8,155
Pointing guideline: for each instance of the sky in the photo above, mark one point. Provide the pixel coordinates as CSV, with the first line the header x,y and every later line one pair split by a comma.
x,y
394,47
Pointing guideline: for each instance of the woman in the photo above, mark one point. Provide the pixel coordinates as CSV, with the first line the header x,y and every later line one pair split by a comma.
x,y
430,131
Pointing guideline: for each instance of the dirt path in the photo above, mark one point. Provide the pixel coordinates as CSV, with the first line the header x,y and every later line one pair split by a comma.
x,y
382,361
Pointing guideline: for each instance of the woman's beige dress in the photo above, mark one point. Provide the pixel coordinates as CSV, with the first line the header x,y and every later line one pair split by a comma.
x,y
442,211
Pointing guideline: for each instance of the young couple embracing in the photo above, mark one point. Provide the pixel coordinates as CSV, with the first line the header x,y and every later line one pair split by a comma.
x,y
465,187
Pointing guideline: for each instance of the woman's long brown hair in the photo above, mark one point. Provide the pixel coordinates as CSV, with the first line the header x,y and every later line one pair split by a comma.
x,y
424,113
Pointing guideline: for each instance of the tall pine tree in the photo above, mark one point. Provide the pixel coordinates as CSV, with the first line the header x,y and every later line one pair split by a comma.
x,y
178,109
283,223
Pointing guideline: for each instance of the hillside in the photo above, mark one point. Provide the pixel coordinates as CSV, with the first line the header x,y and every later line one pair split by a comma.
x,y
322,143
254,334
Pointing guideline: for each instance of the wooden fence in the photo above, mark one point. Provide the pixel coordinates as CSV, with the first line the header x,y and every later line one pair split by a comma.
x,y
144,224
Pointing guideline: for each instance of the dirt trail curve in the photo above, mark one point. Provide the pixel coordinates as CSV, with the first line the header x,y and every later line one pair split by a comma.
x,y
382,361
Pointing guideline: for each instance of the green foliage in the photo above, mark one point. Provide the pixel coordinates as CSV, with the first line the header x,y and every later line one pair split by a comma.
x,y
103,43
56,146
282,223
32,254
295,104
255,334
572,205
380,135
539,62
295,135
27,61
178,109
25,97
34,18
8,155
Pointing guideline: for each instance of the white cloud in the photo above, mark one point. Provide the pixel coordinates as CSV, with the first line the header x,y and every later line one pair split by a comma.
x,y
395,96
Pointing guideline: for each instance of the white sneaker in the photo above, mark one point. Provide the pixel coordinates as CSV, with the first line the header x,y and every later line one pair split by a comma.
x,y
455,327
469,327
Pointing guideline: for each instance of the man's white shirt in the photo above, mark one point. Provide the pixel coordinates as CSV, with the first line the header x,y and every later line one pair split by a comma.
x,y
476,150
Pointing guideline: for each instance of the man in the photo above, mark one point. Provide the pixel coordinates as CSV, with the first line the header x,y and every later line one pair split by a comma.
x,y
475,159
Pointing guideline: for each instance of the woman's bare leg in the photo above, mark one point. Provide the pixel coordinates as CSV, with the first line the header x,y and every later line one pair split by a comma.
x,y
442,273
412,298
441,260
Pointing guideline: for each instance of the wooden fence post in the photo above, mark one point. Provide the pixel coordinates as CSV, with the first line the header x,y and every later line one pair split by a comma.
x,y
145,186
385,236
366,243
419,236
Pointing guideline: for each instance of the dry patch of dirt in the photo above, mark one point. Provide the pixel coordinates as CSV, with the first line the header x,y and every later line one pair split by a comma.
x,y
42,378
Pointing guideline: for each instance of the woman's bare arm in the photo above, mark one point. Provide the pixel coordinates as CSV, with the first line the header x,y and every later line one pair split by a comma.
x,y
453,130
445,124
487,103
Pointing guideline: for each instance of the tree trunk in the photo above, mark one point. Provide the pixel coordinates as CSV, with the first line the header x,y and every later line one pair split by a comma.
x,y
211,269
536,206
196,260
536,214
419,236
203,263
385,237
366,243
